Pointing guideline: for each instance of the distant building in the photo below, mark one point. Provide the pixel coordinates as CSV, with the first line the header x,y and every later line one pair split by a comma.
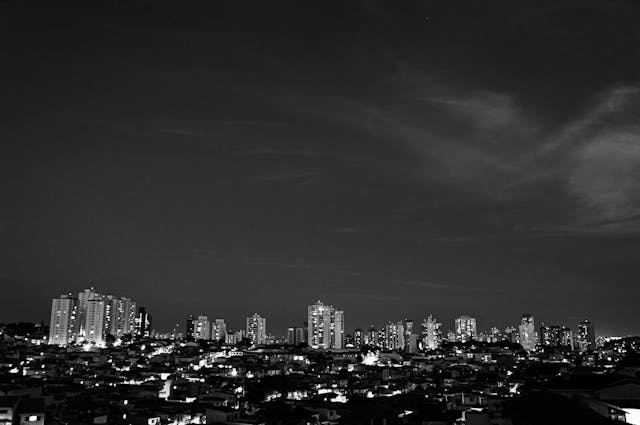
x,y
202,328
511,334
451,336
83,300
586,336
326,326
394,336
371,336
295,335
189,327
566,337
527,332
64,325
218,330
466,329
95,321
494,335
143,323
408,331
431,334
358,338
257,329
121,316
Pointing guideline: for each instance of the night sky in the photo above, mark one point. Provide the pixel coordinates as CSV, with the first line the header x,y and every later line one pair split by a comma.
x,y
392,158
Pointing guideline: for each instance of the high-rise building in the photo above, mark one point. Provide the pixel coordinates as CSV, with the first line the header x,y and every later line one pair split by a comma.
x,y
371,337
494,335
527,332
586,336
83,298
394,336
295,335
408,331
358,338
431,335
143,323
257,329
566,337
95,321
326,326
551,336
218,330
202,328
121,316
466,329
511,335
65,322
189,327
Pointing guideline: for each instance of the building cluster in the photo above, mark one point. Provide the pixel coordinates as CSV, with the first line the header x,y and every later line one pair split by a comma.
x,y
409,380
401,335
93,318
324,329
102,364
200,328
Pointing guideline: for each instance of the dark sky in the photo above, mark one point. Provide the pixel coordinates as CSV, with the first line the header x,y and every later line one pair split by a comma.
x,y
392,158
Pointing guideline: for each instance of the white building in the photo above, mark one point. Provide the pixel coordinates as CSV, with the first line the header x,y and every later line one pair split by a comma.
x,y
202,328
326,326
257,329
218,330
65,322
431,333
527,332
466,329
95,321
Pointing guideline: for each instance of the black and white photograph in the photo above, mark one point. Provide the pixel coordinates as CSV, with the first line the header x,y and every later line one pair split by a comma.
x,y
319,212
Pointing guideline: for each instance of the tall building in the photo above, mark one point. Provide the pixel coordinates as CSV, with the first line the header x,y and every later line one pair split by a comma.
x,y
295,336
466,329
121,316
394,336
511,335
202,328
257,329
83,298
189,327
95,321
143,323
566,337
551,336
494,335
326,326
586,336
218,330
65,322
431,334
527,332
371,336
408,331
358,338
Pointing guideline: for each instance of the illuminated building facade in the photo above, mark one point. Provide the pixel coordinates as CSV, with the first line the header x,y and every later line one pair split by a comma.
x,y
527,332
586,336
257,329
326,326
218,330
431,334
65,323
466,329
202,328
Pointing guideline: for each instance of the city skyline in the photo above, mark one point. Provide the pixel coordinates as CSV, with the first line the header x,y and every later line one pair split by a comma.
x,y
73,317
